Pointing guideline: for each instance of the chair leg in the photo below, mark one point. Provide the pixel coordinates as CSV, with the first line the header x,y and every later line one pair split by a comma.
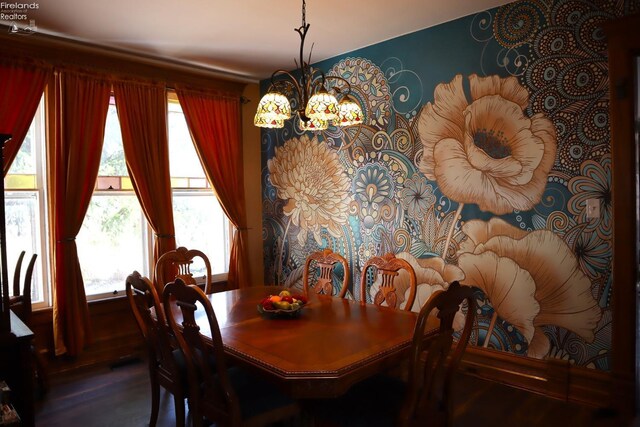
x,y
155,398
194,413
179,405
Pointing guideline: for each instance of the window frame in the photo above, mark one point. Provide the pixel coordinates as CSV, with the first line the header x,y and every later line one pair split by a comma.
x,y
172,98
227,232
42,244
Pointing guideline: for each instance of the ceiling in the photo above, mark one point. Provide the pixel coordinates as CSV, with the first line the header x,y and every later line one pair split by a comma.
x,y
246,38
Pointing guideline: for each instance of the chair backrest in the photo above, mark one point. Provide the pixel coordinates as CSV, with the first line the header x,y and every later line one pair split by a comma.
x,y
325,261
431,365
181,259
387,267
210,389
148,311
16,275
21,302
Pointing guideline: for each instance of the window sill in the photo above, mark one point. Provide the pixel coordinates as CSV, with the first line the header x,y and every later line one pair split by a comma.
x,y
218,284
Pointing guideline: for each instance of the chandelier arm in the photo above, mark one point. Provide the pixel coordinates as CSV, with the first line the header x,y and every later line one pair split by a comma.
x,y
290,80
331,77
324,79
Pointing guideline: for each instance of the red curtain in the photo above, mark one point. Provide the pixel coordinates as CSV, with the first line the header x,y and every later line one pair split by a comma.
x,y
79,117
142,111
21,87
214,123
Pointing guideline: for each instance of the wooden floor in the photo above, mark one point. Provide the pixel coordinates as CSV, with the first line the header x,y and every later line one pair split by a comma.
x,y
119,396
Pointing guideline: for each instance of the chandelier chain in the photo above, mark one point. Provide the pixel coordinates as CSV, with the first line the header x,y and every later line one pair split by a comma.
x,y
304,13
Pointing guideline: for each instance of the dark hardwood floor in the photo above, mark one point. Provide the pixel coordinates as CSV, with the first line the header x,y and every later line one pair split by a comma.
x,y
106,396
120,396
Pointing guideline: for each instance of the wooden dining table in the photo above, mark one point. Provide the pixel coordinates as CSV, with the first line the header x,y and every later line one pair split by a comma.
x,y
332,344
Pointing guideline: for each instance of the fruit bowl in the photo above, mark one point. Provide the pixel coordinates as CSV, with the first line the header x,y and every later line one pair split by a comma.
x,y
284,305
279,313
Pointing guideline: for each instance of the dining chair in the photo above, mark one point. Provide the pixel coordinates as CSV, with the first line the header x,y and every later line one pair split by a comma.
x,y
424,398
181,259
16,274
226,396
387,267
20,302
325,261
432,364
166,361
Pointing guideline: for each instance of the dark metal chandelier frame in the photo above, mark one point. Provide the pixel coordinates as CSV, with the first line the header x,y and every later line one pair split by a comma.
x,y
316,107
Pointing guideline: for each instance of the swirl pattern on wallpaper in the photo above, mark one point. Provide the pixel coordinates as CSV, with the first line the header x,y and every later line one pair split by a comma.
x,y
568,79
369,86
406,87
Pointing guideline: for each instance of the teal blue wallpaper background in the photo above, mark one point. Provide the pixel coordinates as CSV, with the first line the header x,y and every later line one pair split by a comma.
x,y
483,139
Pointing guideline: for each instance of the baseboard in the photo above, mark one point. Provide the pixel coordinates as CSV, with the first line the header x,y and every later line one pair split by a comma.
x,y
554,378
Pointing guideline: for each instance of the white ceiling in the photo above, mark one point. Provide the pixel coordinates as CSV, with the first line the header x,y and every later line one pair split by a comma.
x,y
247,38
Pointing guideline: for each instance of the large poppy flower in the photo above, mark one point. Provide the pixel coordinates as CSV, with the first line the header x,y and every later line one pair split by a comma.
x,y
486,151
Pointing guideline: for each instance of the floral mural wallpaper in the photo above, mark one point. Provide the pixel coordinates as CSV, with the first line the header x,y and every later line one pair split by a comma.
x,y
483,139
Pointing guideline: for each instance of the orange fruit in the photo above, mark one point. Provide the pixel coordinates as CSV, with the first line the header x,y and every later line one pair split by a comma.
x,y
275,298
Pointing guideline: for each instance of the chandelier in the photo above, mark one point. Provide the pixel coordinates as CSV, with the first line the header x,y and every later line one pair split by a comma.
x,y
317,106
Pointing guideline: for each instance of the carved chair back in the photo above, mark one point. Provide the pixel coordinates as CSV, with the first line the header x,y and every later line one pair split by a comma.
x,y
181,260
325,262
387,267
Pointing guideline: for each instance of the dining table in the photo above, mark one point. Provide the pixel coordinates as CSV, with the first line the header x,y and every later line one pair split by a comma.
x,y
331,344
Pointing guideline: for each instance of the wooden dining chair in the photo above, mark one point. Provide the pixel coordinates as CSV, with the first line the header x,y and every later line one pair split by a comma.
x,y
20,304
325,261
226,396
16,274
181,260
424,398
166,362
387,267
432,364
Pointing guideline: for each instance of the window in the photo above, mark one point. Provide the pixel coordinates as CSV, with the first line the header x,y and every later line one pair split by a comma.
x,y
199,220
115,238
25,209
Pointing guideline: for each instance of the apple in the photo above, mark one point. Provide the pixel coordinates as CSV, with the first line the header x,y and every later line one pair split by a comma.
x,y
301,298
284,294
